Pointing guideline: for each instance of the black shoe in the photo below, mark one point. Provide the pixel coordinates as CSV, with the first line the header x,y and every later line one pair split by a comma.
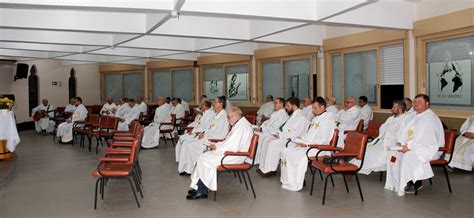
x,y
418,186
184,174
191,191
269,174
410,189
196,196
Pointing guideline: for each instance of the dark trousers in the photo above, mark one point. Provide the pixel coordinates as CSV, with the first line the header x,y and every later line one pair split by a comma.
x,y
202,189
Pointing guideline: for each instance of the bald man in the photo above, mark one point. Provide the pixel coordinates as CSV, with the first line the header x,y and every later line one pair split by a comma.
x,y
347,119
307,109
108,107
44,125
331,105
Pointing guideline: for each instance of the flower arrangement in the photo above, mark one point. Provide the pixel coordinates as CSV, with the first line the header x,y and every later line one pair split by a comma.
x,y
6,103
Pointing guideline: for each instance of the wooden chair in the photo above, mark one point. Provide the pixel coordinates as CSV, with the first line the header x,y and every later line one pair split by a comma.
x,y
92,121
354,148
242,167
373,129
251,118
168,131
359,128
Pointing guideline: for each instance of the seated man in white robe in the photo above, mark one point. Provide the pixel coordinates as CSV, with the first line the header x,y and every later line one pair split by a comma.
x,y
108,107
418,144
376,159
202,125
271,146
71,107
45,124
294,161
185,105
307,109
122,109
151,134
365,111
132,115
463,156
65,129
204,175
178,109
265,110
193,147
410,111
331,105
347,119
142,105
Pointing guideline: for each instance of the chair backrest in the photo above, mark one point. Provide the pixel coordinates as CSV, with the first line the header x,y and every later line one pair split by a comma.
x,y
373,129
112,123
360,126
355,143
138,144
173,119
449,139
93,119
251,118
335,137
103,121
253,146
141,116
89,109
60,109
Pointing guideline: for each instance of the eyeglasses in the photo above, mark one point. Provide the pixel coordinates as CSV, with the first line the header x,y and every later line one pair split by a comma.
x,y
349,102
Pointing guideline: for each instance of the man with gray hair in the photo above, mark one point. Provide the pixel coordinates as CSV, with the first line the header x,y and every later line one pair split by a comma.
x,y
331,105
204,175
347,119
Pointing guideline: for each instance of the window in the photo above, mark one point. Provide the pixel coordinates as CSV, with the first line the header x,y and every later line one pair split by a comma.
x,y
287,78
391,74
449,67
33,89
337,78
229,80
172,82
122,84
359,74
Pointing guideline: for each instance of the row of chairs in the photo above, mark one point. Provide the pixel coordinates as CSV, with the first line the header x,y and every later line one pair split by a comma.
x,y
121,161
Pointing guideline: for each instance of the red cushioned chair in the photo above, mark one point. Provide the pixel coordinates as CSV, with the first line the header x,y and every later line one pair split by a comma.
x,y
92,121
449,141
168,131
373,129
332,144
251,118
119,168
359,128
240,168
354,147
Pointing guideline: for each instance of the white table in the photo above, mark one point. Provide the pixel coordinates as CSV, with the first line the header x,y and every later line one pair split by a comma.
x,y
8,133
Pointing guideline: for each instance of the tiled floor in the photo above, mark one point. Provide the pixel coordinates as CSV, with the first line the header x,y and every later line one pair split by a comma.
x,y
55,180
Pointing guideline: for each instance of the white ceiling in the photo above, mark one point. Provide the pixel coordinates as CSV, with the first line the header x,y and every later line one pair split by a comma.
x,y
134,31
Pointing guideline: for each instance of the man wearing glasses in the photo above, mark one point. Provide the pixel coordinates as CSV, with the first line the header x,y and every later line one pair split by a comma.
x,y
347,119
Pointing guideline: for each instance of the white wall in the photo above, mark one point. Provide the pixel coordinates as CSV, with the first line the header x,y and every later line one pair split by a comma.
x,y
87,77
6,78
335,31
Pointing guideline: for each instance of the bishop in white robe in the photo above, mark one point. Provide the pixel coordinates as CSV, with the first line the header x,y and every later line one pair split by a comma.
x,y
202,125
463,156
133,114
419,142
347,119
151,135
272,145
265,110
204,174
192,147
64,131
45,124
376,159
294,161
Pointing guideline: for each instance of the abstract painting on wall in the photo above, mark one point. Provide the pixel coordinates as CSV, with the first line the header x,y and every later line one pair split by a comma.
x,y
237,86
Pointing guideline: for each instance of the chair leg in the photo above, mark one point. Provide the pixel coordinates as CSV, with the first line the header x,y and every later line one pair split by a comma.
x,y
312,182
215,192
102,188
332,181
243,177
325,187
238,174
381,176
320,174
96,189
89,138
358,186
431,182
137,184
133,191
251,184
447,179
345,182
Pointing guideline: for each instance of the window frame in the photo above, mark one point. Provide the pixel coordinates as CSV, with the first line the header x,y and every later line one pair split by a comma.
x,y
170,71
118,69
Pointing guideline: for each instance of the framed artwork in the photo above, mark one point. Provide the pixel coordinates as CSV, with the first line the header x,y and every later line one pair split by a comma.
x,y
237,86
213,88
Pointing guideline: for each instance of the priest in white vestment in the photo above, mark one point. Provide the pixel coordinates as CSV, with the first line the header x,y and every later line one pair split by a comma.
x,y
307,109
410,111
202,125
151,134
185,105
132,115
122,109
265,110
347,119
65,129
463,156
417,145
271,146
294,161
376,157
178,109
142,105
108,107
71,107
193,147
204,175
45,124
365,111
331,105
